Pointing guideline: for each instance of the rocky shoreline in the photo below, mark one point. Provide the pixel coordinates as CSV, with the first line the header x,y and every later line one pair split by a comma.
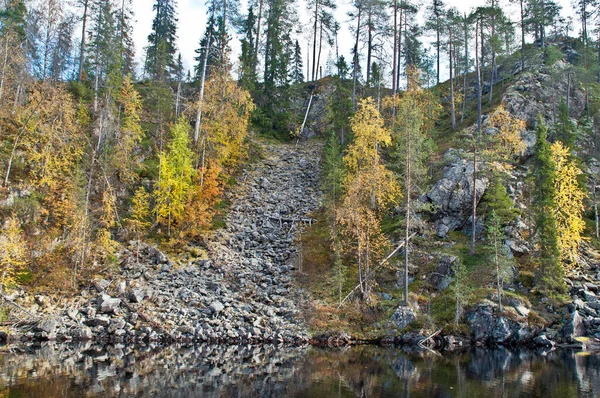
x,y
239,288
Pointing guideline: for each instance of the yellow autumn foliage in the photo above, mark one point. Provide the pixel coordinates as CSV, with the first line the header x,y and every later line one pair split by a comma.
x,y
13,253
509,141
569,206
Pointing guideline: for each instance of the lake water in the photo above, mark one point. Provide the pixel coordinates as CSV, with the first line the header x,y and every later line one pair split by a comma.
x,y
269,371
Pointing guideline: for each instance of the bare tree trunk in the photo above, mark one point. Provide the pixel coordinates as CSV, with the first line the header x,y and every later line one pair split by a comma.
x,y
320,47
355,66
4,63
178,99
399,54
198,123
464,101
395,61
452,108
498,287
408,204
596,210
369,49
314,68
493,71
522,37
260,7
475,144
82,47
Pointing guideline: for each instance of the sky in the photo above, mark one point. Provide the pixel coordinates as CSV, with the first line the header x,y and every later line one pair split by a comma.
x,y
192,22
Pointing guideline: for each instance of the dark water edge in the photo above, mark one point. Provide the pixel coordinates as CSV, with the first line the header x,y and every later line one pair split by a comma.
x,y
88,370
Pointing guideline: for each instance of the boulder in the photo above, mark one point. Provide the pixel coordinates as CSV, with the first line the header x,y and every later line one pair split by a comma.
x,y
403,316
502,331
108,305
453,195
47,326
480,322
216,307
574,327
137,295
81,333
543,341
442,276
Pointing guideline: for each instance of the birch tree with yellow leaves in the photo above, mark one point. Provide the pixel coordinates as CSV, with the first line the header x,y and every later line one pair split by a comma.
x,y
13,253
370,189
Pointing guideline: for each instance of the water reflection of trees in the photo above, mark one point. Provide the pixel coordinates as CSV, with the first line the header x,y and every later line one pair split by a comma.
x,y
269,371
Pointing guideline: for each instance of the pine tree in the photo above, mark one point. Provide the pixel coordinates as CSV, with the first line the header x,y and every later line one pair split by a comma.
x,y
551,272
322,18
161,50
416,113
175,179
436,23
125,45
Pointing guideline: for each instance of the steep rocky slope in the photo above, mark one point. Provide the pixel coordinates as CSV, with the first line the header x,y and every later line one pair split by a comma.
x,y
244,290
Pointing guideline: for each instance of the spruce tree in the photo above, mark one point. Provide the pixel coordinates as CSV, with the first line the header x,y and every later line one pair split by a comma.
x,y
550,270
161,50
564,129
247,72
297,74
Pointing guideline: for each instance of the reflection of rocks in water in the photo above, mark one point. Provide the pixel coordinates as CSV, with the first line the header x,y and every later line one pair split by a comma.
x,y
268,371
203,371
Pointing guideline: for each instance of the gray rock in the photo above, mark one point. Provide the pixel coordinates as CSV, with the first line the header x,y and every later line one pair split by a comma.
x,y
108,305
403,316
502,331
442,276
453,196
574,326
543,341
98,321
481,322
137,295
47,326
81,333
216,307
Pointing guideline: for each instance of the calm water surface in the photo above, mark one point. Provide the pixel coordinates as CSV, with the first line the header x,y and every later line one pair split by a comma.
x,y
269,371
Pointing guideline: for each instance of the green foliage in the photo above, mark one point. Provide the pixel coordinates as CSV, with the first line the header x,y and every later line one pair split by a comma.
x,y
565,129
500,255
334,170
553,55
176,174
339,110
461,289
160,53
497,200
551,272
